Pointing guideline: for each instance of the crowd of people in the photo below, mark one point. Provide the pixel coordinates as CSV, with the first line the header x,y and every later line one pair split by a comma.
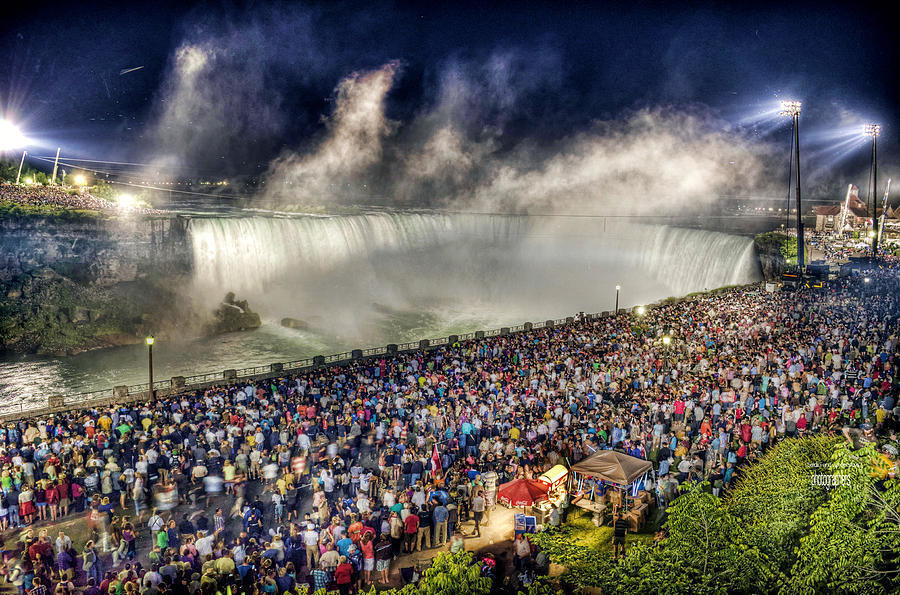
x,y
63,197
325,477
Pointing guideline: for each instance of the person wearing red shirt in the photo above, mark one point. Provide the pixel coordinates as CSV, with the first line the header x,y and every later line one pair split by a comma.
x,y
411,525
367,545
343,576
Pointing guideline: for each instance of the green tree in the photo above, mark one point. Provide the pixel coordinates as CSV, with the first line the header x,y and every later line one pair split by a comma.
x,y
853,545
103,189
706,552
774,498
585,566
449,574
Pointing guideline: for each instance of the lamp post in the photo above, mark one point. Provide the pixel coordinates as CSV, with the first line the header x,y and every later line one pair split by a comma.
x,y
149,340
667,341
874,130
792,109
618,287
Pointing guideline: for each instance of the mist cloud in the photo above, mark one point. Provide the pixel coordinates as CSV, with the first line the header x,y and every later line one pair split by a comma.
x,y
353,143
456,153
485,134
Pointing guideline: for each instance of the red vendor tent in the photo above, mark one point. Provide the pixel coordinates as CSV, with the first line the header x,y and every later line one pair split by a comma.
x,y
522,492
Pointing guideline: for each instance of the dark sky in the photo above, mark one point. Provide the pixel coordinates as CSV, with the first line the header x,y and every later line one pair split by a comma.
x,y
570,64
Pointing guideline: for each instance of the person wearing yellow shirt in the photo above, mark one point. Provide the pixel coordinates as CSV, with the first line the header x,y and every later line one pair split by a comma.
x,y
514,433
229,471
146,422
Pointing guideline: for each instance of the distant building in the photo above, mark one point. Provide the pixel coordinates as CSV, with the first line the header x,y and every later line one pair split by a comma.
x,y
828,217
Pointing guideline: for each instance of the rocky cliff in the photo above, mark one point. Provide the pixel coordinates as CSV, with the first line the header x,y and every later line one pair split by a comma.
x,y
67,286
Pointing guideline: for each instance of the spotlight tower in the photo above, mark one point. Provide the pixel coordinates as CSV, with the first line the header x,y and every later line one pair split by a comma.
x,y
792,109
874,130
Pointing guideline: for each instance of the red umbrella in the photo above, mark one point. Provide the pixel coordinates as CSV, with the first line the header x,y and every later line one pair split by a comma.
x,y
522,492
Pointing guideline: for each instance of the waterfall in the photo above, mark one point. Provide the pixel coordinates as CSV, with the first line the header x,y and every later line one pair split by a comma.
x,y
246,253
338,266
689,260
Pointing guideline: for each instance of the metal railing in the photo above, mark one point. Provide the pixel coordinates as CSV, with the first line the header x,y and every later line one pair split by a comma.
x,y
197,381
254,371
202,378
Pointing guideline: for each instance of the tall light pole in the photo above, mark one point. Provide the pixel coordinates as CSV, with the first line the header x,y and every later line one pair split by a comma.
x,y
792,109
618,287
21,163
149,341
874,130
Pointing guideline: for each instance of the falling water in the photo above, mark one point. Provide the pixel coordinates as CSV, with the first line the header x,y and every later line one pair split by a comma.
x,y
340,267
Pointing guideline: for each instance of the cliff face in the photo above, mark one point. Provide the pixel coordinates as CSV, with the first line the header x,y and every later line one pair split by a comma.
x,y
771,248
67,286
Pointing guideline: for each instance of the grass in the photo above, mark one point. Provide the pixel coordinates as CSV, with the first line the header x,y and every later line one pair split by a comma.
x,y
586,534
14,210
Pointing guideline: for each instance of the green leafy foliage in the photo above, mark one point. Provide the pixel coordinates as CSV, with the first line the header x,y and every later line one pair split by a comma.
x,y
14,210
774,498
9,169
706,552
449,574
540,586
853,545
585,566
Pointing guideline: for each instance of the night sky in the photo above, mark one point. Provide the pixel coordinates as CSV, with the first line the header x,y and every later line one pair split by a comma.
x,y
546,72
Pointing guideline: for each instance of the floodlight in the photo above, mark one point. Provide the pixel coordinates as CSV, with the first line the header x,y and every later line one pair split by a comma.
x,y
10,136
872,130
790,108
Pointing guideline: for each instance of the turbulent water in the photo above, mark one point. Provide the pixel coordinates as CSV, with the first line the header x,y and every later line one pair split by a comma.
x,y
369,279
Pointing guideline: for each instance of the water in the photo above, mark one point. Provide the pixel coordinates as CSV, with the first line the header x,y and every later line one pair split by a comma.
x,y
375,278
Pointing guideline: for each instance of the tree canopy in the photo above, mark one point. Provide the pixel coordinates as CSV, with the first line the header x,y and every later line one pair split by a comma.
x,y
811,516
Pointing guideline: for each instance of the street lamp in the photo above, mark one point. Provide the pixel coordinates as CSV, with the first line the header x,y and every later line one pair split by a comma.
x,y
640,310
874,130
149,340
667,341
792,109
618,287
21,163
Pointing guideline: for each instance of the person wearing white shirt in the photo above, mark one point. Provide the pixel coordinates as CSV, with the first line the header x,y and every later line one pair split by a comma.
x,y
204,545
362,503
311,541
388,499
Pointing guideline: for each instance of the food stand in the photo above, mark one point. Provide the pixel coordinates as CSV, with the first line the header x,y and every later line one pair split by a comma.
x,y
555,479
609,478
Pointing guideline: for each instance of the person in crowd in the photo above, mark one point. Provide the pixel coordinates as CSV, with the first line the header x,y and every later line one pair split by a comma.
x,y
371,458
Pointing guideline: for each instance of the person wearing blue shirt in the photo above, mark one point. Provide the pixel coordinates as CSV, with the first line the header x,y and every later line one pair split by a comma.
x,y
343,546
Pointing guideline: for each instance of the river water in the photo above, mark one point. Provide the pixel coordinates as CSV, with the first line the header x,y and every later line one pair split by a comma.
x,y
374,278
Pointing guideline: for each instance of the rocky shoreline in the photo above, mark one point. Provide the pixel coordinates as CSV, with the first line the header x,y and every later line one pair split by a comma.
x,y
69,286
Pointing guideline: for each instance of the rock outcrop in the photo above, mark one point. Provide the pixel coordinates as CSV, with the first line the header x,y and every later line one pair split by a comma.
x,y
232,315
